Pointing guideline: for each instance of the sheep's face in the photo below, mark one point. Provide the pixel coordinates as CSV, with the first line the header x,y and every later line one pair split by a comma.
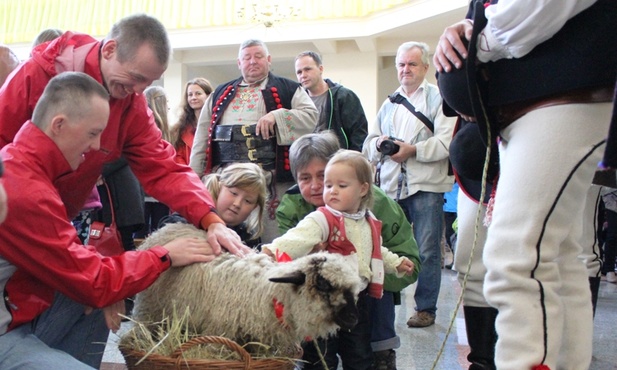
x,y
333,280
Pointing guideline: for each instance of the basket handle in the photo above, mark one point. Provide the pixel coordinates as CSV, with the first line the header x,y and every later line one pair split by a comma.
x,y
246,357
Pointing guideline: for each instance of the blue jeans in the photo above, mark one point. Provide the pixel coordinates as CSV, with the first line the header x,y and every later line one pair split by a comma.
x,y
424,210
65,327
20,349
381,314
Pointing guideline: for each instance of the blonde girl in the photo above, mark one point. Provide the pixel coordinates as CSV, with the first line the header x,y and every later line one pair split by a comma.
x,y
240,194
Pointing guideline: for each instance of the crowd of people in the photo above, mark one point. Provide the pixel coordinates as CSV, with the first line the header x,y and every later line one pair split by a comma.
x,y
271,165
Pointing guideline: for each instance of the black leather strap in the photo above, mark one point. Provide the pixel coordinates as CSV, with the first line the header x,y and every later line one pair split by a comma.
x,y
397,98
238,143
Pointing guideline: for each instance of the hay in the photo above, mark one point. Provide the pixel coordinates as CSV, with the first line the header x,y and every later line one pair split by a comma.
x,y
165,337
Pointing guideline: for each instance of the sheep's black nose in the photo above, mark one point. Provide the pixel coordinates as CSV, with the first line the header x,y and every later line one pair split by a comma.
x,y
347,316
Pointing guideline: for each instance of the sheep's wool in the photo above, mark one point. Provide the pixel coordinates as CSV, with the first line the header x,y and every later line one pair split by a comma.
x,y
233,297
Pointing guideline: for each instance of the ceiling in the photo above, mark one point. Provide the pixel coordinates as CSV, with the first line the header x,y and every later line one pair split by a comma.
x,y
381,33
213,50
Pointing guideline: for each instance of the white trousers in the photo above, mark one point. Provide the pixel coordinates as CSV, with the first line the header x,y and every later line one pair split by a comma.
x,y
534,275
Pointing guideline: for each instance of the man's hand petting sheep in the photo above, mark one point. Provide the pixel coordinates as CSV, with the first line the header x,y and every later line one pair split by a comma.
x,y
184,251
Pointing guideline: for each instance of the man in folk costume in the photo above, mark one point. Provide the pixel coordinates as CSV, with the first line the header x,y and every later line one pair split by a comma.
x,y
253,118
544,85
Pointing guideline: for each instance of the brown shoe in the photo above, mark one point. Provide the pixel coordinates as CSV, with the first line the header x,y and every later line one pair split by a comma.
x,y
421,319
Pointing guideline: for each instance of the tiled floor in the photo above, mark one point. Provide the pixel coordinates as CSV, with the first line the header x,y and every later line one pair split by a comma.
x,y
420,347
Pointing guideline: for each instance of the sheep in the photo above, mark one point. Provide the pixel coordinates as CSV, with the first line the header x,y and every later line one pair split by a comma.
x,y
235,297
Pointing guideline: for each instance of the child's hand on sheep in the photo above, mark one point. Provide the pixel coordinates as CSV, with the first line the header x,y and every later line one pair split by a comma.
x,y
406,266
185,251
221,237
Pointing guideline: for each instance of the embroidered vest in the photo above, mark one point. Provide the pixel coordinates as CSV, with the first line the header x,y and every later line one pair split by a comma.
x,y
277,94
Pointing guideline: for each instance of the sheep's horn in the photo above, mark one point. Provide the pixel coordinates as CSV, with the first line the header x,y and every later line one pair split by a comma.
x,y
297,278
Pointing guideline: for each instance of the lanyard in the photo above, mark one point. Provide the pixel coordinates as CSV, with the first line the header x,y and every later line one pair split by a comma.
x,y
402,177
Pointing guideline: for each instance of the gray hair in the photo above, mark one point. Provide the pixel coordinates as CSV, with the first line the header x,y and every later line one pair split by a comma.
x,y
133,31
69,93
424,48
322,145
252,42
46,35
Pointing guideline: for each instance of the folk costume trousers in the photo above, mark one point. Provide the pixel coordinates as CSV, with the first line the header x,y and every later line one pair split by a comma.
x,y
535,277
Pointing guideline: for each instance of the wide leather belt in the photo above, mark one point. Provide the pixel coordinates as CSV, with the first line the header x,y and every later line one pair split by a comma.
x,y
238,143
509,113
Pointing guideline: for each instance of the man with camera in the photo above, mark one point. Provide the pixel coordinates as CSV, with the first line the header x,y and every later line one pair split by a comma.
x,y
408,142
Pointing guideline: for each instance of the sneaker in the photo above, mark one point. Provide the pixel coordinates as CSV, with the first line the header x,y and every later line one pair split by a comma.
x,y
421,319
610,277
384,360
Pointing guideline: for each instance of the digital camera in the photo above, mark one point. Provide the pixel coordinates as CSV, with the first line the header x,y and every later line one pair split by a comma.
x,y
389,147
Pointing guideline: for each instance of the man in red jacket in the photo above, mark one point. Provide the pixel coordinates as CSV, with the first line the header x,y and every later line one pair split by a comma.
x,y
40,252
134,54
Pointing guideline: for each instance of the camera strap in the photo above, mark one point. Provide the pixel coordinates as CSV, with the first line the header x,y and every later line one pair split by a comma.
x,y
401,181
397,98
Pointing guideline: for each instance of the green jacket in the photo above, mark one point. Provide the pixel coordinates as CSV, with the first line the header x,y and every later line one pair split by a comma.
x,y
396,231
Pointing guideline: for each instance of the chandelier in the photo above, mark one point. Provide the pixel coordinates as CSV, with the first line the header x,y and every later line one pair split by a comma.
x,y
267,13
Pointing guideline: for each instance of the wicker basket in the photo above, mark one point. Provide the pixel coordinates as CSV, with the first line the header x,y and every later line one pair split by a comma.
x,y
176,360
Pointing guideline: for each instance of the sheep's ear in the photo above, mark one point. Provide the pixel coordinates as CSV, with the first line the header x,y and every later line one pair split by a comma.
x,y
297,278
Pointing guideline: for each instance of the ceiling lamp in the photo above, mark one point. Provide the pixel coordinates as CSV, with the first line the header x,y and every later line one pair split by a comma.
x,y
267,13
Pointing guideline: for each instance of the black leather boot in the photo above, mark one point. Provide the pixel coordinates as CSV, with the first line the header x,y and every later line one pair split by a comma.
x,y
481,335
594,284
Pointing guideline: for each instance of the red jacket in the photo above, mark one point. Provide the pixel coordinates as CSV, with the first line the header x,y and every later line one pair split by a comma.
x,y
131,131
183,152
40,252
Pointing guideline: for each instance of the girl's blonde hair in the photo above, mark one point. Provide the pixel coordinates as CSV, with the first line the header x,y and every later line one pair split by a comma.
x,y
248,177
157,102
363,170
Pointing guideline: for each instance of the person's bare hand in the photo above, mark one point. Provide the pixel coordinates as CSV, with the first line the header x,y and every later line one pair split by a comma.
x,y
406,266
265,126
112,313
185,251
268,253
405,152
467,118
451,42
319,247
381,139
221,237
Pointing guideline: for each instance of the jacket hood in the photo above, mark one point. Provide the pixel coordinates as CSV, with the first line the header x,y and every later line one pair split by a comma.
x,y
66,53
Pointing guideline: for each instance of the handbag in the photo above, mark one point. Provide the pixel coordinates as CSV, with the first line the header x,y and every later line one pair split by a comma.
x,y
106,239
